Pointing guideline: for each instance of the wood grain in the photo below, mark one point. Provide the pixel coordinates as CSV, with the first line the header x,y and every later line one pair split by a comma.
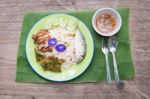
x,y
11,17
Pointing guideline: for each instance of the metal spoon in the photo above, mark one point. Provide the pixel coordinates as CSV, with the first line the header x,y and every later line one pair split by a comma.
x,y
112,44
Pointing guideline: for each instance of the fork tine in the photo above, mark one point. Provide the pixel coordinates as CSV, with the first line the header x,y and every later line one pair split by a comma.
x,y
102,42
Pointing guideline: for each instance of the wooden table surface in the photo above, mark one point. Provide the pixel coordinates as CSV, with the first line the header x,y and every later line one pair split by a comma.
x,y
11,17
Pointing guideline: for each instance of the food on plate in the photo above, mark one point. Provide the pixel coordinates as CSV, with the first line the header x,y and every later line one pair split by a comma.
x,y
106,22
59,45
80,46
49,63
40,39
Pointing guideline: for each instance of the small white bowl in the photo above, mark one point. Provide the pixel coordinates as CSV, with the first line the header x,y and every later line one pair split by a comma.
x,y
113,13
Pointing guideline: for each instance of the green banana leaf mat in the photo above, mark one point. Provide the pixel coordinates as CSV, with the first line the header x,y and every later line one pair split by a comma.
x,y
96,72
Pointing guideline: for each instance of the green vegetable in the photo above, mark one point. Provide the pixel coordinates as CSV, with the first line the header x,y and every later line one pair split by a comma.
x,y
51,64
38,55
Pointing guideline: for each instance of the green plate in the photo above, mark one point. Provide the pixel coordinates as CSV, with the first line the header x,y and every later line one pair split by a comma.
x,y
75,70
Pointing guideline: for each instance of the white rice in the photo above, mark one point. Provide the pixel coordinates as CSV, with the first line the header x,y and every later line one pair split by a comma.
x,y
61,34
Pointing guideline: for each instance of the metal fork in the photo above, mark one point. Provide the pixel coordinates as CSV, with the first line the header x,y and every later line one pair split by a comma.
x,y
105,50
112,44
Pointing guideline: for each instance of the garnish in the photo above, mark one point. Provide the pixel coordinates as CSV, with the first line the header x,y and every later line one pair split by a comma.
x,y
60,47
52,41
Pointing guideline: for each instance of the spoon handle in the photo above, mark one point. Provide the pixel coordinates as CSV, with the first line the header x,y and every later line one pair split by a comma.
x,y
115,67
108,76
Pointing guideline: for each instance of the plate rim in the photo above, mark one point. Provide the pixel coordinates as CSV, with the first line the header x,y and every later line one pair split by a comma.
x,y
46,78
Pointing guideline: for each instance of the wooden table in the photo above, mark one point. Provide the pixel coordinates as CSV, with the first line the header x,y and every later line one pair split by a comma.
x,y
11,17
